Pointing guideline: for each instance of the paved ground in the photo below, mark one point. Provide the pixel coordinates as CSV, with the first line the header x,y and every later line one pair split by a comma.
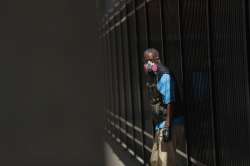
x,y
116,156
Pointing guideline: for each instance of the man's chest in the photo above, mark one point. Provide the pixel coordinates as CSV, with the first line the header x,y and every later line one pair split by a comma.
x,y
153,92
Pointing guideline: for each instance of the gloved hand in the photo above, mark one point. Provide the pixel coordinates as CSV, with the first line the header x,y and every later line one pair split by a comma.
x,y
166,133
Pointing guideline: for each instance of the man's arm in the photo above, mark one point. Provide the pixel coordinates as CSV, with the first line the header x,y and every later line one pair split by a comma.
x,y
169,114
165,86
168,122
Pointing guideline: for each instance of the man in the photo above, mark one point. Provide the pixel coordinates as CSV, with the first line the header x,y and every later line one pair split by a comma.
x,y
165,102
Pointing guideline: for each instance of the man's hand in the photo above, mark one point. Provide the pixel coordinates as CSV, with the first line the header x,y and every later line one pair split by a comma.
x,y
166,133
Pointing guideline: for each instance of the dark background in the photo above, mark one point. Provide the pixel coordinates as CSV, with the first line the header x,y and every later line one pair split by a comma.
x,y
51,83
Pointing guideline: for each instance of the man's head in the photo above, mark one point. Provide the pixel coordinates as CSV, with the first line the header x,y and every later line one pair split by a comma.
x,y
152,55
151,59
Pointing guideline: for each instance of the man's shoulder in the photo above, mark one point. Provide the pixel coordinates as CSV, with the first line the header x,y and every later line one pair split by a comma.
x,y
165,77
163,69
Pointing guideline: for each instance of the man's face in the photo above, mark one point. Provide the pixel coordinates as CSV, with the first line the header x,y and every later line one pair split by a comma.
x,y
150,65
148,57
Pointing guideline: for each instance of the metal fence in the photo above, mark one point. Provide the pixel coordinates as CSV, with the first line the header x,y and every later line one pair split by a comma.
x,y
205,44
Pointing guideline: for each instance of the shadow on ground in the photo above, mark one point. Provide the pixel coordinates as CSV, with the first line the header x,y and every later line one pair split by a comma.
x,y
117,155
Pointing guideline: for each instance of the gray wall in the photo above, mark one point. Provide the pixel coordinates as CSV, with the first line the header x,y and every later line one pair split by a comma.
x,y
47,87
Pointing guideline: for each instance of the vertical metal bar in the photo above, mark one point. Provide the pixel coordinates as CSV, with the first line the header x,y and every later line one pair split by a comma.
x,y
130,81
114,105
140,94
107,36
121,72
117,82
114,73
246,27
107,69
124,75
147,45
162,31
183,84
105,72
120,57
148,36
110,75
147,23
115,56
211,83
132,94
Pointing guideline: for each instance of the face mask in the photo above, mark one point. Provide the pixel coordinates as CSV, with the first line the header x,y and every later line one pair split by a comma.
x,y
150,67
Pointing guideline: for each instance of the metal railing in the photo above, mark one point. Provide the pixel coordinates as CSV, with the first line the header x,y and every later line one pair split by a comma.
x,y
205,43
